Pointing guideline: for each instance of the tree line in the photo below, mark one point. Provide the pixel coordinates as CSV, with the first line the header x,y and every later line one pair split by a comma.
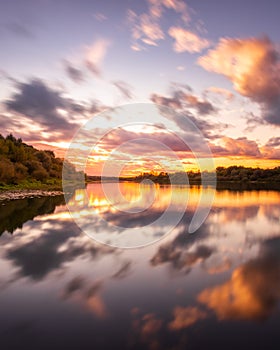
x,y
237,174
20,162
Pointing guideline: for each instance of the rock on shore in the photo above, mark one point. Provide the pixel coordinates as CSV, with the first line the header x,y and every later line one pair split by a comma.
x,y
20,194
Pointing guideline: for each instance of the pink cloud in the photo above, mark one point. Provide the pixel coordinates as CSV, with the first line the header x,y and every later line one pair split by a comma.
x,y
95,54
241,147
187,41
253,66
146,28
220,91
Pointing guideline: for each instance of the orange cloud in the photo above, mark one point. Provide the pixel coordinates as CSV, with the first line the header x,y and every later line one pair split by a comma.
x,y
253,290
151,325
234,299
146,330
185,317
186,40
97,306
253,66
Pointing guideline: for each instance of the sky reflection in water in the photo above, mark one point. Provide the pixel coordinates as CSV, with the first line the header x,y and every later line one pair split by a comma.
x,y
60,288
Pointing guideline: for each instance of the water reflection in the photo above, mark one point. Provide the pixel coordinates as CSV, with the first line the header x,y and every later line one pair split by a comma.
x,y
185,291
14,214
253,290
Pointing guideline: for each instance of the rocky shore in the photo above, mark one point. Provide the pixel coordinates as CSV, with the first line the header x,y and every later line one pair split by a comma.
x,y
20,194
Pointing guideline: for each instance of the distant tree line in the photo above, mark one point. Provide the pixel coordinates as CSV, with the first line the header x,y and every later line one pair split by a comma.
x,y
21,162
246,174
238,174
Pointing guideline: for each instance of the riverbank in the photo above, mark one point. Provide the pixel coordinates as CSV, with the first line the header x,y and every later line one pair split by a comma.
x,y
8,195
19,193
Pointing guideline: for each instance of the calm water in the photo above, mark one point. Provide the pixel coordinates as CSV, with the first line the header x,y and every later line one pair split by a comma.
x,y
220,287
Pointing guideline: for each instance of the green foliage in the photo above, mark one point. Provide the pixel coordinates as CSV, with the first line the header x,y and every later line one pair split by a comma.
x,y
22,165
244,174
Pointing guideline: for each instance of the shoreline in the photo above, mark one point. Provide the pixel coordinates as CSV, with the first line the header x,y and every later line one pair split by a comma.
x,y
7,195
14,194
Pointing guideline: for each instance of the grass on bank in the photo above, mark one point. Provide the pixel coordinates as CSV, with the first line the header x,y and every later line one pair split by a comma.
x,y
48,185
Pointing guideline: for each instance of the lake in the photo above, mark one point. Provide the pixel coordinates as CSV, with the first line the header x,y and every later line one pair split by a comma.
x,y
61,288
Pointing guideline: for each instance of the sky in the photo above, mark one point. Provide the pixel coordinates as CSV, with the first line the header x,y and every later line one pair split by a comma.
x,y
216,62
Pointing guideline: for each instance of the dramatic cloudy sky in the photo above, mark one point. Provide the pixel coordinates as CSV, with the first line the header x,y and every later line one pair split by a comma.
x,y
218,61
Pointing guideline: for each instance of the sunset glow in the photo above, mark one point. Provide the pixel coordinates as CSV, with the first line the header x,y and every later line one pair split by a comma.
x,y
164,52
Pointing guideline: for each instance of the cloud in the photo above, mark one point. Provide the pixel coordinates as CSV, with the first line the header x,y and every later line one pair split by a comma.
x,y
179,258
149,31
241,214
253,121
9,124
142,142
146,27
54,248
182,100
253,66
40,103
253,291
273,142
241,147
185,103
179,6
74,285
37,262
187,41
100,17
95,55
148,328
143,218
46,111
270,152
74,73
96,305
90,299
223,266
220,91
171,102
124,88
123,271
185,317
151,325
157,7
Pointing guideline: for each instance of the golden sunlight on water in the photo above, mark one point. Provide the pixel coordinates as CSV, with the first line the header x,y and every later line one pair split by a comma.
x,y
109,211
96,195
